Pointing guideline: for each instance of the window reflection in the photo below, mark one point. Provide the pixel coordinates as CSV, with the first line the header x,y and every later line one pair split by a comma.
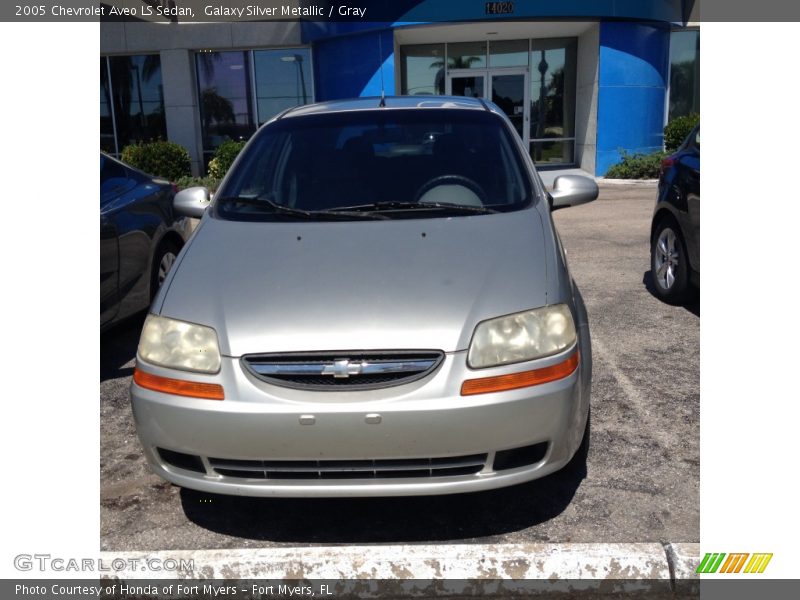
x,y
283,80
466,55
471,87
107,140
422,69
553,64
131,102
508,53
138,98
224,90
508,92
684,75
559,152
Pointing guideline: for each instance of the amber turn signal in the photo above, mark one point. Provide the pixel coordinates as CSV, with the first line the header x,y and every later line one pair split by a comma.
x,y
178,387
503,383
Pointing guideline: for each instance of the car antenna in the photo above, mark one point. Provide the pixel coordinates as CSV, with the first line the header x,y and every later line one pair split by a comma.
x,y
382,103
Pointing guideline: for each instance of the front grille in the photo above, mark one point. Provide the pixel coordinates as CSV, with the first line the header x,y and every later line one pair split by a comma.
x,y
353,370
349,469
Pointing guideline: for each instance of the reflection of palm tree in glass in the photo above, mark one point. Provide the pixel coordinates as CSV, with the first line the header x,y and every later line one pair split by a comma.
x,y
681,79
548,109
127,75
206,62
215,108
555,104
454,62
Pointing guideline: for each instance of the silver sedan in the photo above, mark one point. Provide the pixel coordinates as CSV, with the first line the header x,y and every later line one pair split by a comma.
x,y
375,303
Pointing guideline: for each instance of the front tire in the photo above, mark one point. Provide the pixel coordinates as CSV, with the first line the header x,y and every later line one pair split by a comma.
x,y
669,262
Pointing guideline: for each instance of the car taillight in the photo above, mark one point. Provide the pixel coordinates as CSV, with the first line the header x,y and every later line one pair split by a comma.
x,y
666,163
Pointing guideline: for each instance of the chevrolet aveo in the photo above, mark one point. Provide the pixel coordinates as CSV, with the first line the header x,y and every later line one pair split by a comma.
x,y
375,303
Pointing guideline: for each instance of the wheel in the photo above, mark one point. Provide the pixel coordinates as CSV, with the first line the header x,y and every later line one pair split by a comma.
x,y
466,182
162,262
669,262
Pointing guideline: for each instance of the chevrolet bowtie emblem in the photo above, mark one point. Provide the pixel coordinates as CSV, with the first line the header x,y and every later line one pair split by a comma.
x,y
342,368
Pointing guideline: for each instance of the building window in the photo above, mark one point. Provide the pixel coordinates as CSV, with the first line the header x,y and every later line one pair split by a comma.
x,y
422,69
131,101
108,141
553,80
466,55
282,80
508,53
223,80
532,81
684,73
240,90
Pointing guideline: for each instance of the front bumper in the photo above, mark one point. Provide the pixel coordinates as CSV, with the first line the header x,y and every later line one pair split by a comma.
x,y
425,419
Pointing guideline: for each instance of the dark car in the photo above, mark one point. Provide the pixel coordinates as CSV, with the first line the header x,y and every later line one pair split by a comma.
x,y
675,232
140,237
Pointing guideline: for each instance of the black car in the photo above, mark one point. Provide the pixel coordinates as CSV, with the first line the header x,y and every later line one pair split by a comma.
x,y
140,237
675,232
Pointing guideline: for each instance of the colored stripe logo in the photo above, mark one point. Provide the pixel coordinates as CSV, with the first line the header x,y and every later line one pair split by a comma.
x,y
714,562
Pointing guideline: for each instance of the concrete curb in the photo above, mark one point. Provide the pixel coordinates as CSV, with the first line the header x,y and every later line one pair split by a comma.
x,y
683,560
554,562
642,182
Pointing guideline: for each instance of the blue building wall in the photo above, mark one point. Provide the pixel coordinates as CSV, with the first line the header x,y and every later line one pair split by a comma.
x,y
632,87
351,66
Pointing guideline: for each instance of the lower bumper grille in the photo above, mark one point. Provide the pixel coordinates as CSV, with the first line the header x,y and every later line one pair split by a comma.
x,y
349,469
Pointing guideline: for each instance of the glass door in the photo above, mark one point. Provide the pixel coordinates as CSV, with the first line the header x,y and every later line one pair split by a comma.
x,y
508,88
509,91
469,84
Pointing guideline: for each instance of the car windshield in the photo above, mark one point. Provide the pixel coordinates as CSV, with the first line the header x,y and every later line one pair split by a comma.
x,y
383,163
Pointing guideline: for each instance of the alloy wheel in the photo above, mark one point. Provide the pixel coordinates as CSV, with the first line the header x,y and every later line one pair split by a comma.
x,y
667,258
164,266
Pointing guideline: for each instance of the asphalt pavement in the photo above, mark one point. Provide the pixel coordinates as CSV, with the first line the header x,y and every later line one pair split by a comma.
x,y
639,483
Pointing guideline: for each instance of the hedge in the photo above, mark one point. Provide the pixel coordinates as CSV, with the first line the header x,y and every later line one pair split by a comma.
x,y
160,158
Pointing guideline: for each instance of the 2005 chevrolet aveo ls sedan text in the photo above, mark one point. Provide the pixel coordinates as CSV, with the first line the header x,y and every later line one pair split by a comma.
x,y
375,303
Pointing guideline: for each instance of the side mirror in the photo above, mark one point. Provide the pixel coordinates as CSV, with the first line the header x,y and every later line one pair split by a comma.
x,y
572,190
192,202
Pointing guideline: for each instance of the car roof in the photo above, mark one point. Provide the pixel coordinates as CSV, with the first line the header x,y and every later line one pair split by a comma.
x,y
390,103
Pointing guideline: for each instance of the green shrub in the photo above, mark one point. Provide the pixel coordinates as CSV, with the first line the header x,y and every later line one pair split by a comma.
x,y
637,166
211,183
677,130
160,158
223,158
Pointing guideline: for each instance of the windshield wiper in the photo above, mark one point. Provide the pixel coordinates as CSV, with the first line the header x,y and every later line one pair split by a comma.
x,y
394,206
269,205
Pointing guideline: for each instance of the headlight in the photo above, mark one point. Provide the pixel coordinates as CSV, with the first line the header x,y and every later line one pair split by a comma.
x,y
179,345
522,336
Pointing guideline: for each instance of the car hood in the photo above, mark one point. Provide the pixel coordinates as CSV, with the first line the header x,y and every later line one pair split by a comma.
x,y
419,284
